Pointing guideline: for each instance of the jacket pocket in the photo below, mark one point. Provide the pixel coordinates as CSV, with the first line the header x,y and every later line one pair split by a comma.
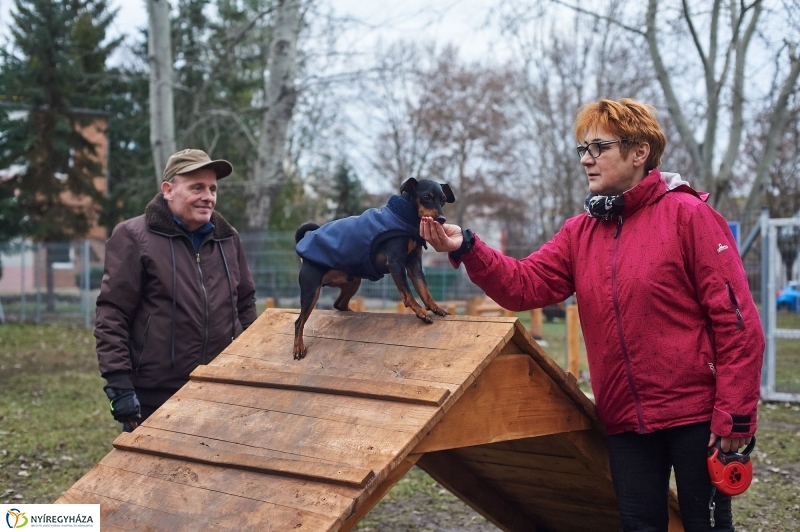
x,y
139,352
735,303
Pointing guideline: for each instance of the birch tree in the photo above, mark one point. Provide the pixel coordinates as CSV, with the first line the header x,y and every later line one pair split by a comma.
x,y
162,112
280,95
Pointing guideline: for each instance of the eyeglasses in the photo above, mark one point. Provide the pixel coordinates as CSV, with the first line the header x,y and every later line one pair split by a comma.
x,y
596,148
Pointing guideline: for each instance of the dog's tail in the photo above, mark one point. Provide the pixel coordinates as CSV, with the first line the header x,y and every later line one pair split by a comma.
x,y
303,229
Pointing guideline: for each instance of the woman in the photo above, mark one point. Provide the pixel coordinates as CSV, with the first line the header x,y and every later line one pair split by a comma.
x,y
672,334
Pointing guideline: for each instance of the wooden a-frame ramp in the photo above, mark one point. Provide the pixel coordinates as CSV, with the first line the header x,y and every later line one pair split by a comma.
x,y
259,441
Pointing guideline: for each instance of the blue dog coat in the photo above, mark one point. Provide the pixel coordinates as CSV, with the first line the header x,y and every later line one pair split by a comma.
x,y
350,244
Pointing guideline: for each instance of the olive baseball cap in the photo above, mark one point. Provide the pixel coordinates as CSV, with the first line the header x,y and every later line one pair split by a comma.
x,y
186,161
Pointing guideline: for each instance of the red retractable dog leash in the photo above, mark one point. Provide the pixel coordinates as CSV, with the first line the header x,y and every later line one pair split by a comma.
x,y
731,473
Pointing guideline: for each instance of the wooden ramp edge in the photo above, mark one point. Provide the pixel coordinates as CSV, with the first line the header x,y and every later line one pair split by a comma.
x,y
259,441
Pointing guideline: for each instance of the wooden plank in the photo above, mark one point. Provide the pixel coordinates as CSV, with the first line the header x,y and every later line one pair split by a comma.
x,y
511,399
165,505
309,438
566,381
541,445
590,449
326,499
480,496
353,410
531,484
369,503
389,329
387,391
206,454
487,454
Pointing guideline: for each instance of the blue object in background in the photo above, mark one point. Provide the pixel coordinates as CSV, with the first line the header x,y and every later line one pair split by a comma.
x,y
735,230
789,297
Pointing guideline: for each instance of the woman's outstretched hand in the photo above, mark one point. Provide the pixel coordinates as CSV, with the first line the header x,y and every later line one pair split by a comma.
x,y
445,237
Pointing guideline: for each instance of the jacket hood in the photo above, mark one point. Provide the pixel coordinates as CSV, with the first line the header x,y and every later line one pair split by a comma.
x,y
653,186
159,219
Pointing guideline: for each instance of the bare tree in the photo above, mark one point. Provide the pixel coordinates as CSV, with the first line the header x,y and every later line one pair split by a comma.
x,y
562,68
443,119
268,176
720,37
162,113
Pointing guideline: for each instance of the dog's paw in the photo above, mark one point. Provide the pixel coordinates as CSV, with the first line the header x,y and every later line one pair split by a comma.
x,y
300,353
424,316
439,312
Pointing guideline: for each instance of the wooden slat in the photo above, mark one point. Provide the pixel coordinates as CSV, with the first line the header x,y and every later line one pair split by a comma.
x,y
388,391
307,438
326,499
205,454
152,504
527,485
354,410
511,399
364,507
480,496
487,454
566,381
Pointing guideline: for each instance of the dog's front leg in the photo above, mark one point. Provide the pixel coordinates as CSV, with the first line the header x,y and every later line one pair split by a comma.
x,y
398,270
417,276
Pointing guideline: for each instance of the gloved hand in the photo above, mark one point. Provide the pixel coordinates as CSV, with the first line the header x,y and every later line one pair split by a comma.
x,y
125,405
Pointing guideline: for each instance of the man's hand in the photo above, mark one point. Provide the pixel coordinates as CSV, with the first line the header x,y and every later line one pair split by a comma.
x,y
445,237
125,405
726,444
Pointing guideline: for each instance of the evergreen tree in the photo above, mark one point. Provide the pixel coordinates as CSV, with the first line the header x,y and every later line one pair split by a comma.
x,y
52,70
347,192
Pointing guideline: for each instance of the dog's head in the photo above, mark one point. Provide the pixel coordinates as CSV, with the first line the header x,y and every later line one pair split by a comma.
x,y
428,197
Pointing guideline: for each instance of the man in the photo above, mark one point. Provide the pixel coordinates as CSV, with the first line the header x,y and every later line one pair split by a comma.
x,y
176,290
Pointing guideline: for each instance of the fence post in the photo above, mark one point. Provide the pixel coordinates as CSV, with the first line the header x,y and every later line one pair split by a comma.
x,y
22,283
765,295
87,288
573,344
536,323
270,303
36,260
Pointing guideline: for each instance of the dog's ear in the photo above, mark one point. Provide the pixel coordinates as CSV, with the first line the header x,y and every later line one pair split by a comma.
x,y
448,193
409,185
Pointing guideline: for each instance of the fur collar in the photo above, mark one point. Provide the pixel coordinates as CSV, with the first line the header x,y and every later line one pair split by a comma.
x,y
159,220
404,209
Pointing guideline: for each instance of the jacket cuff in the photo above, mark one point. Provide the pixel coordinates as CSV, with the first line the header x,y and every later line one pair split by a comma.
x,y
119,379
468,241
732,425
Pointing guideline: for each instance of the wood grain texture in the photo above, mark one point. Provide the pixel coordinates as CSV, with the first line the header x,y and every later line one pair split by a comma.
x,y
387,391
511,399
207,454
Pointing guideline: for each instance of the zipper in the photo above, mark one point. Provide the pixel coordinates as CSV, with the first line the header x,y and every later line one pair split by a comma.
x,y
732,296
623,346
619,229
205,310
144,339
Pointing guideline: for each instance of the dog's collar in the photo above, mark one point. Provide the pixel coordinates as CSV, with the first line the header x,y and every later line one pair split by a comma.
x,y
404,209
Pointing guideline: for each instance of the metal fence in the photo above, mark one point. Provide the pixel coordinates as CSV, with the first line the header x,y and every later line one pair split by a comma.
x,y
59,282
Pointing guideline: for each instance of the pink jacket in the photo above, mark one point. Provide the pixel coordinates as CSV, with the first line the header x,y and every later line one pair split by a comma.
x,y
672,333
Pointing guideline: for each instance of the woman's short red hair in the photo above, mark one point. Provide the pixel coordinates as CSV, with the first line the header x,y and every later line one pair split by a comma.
x,y
627,119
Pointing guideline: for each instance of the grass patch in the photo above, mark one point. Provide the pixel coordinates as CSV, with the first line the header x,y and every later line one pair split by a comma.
x,y
53,412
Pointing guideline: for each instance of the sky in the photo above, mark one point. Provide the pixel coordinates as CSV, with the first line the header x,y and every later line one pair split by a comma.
x,y
460,22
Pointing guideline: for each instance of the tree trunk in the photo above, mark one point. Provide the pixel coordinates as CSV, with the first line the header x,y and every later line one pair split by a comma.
x,y
280,95
162,112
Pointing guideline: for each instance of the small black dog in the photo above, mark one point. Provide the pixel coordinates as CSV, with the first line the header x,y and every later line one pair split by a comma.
x,y
380,241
